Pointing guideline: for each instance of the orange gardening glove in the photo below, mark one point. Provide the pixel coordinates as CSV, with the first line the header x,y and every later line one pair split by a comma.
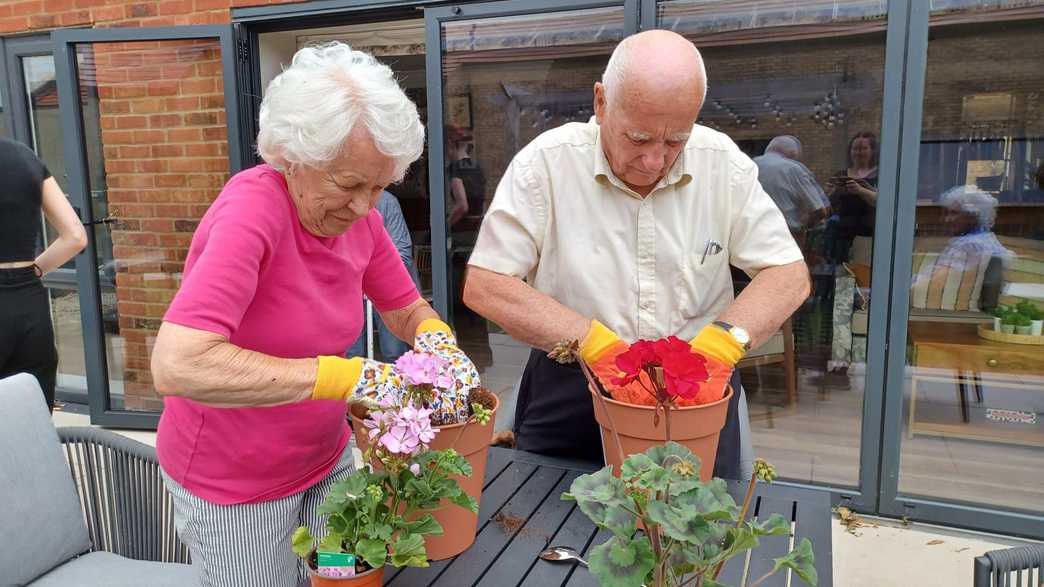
x,y
599,350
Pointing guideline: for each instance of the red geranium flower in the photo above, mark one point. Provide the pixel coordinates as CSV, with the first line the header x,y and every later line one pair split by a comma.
x,y
634,360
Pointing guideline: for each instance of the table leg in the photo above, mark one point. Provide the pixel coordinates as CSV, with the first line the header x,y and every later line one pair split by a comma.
x,y
978,387
962,396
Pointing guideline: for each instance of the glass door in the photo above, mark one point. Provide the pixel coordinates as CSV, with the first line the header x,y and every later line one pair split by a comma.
x,y
30,63
815,81
149,118
965,428
499,74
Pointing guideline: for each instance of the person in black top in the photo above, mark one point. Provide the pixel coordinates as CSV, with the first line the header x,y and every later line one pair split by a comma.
x,y
26,333
467,182
853,198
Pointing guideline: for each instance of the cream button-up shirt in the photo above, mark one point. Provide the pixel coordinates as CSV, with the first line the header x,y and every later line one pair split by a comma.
x,y
645,267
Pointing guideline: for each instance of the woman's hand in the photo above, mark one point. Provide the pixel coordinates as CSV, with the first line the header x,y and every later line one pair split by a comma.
x,y
357,378
434,337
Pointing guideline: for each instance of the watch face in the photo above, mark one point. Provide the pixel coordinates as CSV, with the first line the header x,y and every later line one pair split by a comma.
x,y
742,336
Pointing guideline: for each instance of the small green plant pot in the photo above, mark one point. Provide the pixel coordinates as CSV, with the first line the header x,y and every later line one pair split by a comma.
x,y
1023,330
1008,328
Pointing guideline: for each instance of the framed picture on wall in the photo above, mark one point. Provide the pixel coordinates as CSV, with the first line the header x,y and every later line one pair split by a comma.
x,y
458,111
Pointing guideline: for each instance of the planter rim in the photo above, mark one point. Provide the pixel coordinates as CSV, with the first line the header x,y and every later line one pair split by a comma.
x,y
724,398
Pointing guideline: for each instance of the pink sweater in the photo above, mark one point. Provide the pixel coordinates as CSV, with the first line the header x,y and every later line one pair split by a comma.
x,y
256,276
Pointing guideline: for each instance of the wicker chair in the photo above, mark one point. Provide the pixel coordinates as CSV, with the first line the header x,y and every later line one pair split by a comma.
x,y
108,523
1021,566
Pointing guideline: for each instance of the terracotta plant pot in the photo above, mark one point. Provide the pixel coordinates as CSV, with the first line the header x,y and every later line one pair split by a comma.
x,y
695,427
458,524
371,578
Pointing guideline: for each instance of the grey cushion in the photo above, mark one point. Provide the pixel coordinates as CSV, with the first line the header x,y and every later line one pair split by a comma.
x,y
41,524
112,570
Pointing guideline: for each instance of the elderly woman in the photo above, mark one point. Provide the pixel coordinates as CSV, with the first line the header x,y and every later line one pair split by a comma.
x,y
248,357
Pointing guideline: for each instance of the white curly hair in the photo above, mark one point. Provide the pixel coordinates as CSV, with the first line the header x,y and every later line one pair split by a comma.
x,y
312,106
971,200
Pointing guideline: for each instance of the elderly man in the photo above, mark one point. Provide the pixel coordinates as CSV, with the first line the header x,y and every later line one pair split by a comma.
x,y
792,186
624,228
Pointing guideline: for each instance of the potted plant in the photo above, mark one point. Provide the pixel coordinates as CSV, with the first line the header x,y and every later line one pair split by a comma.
x,y
1008,322
1023,324
691,525
468,433
998,314
1036,316
665,392
692,528
381,515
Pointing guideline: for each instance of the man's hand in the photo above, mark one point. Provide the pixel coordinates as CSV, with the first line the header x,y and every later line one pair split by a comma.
x,y
435,337
717,343
599,350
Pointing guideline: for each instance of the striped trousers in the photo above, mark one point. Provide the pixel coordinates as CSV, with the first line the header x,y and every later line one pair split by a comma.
x,y
248,545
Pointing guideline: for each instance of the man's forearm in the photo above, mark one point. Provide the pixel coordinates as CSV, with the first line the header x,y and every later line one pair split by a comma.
x,y
526,314
206,368
769,300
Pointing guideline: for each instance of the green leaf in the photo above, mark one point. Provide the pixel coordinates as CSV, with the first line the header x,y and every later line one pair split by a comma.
x,y
464,500
302,542
622,562
682,524
711,499
332,542
374,552
337,523
682,466
776,525
381,531
409,551
636,465
602,497
801,560
707,582
425,525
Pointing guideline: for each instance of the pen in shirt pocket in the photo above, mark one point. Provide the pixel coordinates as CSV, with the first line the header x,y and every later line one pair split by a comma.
x,y
712,247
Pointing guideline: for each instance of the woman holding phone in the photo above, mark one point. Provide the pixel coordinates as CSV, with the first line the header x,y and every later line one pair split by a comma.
x,y
853,196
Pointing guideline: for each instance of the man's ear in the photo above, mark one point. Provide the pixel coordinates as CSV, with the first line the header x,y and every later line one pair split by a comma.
x,y
600,104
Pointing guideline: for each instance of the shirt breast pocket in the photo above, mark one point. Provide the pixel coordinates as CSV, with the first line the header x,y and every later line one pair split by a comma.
x,y
700,278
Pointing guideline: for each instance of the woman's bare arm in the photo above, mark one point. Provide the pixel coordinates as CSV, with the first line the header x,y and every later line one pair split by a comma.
x,y
72,237
205,367
403,322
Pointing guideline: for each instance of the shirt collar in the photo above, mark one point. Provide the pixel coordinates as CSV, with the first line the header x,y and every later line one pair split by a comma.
x,y
676,175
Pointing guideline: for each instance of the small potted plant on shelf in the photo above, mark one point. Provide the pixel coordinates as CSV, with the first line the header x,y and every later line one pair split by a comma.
x,y
998,314
690,524
1008,322
467,431
381,515
1036,316
1023,324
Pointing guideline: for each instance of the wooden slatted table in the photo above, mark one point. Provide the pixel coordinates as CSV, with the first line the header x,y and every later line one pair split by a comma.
x,y
522,513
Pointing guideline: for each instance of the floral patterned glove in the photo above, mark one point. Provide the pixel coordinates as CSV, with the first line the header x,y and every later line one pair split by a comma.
x,y
356,378
451,403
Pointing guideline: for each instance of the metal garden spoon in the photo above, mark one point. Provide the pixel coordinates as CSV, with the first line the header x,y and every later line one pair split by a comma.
x,y
562,553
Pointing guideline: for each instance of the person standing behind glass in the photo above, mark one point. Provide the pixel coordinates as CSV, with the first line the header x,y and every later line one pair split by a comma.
x,y
391,347
26,332
853,197
467,182
792,186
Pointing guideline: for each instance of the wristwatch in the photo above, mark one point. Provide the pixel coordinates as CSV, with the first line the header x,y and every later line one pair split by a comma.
x,y
739,333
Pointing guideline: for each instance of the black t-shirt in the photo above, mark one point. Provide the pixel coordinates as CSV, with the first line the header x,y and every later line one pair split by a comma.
x,y
856,215
21,194
474,181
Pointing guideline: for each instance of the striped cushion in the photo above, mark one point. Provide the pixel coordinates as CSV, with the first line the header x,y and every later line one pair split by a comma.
x,y
949,281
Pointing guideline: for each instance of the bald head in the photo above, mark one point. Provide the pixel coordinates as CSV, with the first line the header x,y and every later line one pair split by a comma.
x,y
786,145
654,66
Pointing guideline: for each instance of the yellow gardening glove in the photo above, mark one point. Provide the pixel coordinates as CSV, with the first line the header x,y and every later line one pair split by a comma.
x,y
599,350
341,379
717,343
